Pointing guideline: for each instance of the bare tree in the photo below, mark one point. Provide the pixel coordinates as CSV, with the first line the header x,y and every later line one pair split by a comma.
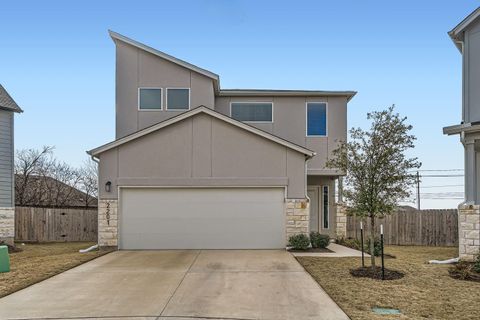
x,y
42,180
89,182
29,163
60,183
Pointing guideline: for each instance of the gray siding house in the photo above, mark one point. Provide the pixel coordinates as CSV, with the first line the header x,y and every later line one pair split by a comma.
x,y
195,166
7,187
466,37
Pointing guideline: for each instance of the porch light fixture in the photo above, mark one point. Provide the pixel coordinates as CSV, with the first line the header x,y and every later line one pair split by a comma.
x,y
108,186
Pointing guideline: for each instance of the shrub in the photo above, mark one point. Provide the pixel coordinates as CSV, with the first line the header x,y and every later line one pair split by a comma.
x,y
319,240
476,264
299,241
464,271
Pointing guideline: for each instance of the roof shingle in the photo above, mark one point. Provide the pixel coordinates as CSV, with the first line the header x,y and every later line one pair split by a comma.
x,y
7,102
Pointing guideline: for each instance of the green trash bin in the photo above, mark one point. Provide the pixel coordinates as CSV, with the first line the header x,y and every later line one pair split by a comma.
x,y
4,259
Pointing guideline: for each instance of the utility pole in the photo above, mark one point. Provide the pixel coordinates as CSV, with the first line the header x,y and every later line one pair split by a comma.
x,y
418,190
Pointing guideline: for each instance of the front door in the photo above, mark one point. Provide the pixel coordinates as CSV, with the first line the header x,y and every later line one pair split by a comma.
x,y
313,195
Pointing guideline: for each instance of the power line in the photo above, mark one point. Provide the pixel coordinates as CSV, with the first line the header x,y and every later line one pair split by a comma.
x,y
436,170
442,186
441,170
441,175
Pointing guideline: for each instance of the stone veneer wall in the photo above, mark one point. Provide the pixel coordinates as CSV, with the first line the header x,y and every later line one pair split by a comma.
x,y
7,225
108,223
341,220
468,231
297,216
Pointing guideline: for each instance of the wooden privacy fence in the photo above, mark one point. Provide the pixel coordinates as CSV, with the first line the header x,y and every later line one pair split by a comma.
x,y
413,227
34,224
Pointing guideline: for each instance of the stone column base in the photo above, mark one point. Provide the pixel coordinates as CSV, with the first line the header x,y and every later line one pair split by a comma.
x,y
107,223
297,213
7,225
341,231
468,231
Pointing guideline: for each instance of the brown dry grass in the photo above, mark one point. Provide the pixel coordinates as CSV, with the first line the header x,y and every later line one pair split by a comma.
x,y
426,291
38,262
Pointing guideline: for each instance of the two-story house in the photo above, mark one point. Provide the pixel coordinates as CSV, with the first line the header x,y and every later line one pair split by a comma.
x,y
8,107
466,37
195,166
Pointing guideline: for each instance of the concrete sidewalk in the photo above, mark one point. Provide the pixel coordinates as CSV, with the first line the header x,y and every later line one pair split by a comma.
x,y
217,284
338,251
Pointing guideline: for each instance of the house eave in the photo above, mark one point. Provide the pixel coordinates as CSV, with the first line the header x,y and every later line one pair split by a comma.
x,y
284,93
16,110
461,128
456,34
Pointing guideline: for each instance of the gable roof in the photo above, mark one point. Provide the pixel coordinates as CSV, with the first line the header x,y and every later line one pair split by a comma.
x,y
163,55
7,102
201,109
456,34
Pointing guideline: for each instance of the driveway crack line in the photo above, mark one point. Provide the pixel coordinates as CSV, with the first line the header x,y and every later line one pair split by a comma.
x,y
179,284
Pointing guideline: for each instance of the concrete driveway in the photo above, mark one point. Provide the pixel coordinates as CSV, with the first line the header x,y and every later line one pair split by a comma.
x,y
178,284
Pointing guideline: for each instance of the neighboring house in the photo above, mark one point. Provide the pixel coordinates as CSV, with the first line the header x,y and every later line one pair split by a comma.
x,y
7,194
196,166
466,37
48,192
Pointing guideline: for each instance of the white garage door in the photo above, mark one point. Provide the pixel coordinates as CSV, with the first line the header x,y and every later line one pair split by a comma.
x,y
202,218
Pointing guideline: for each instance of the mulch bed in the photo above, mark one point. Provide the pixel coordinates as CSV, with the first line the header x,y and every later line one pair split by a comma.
x,y
311,250
464,271
367,272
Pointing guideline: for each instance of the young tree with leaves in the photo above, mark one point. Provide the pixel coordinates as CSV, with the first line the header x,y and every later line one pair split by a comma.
x,y
378,169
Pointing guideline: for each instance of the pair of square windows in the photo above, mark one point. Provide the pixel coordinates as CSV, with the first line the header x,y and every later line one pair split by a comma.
x,y
152,99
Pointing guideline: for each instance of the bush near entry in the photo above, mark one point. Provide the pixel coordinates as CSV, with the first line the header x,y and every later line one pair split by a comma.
x,y
299,241
319,240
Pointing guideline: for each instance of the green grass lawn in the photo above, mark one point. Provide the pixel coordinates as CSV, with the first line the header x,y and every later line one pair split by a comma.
x,y
40,261
426,291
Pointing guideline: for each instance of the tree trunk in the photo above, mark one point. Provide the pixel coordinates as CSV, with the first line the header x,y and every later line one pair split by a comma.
x,y
372,241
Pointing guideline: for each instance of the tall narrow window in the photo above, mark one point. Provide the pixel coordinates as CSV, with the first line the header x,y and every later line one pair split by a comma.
x,y
326,221
150,98
252,111
178,99
316,119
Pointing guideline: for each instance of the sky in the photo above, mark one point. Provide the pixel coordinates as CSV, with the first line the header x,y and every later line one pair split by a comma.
x,y
57,61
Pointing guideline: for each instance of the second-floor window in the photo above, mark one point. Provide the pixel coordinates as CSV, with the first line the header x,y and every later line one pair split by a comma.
x,y
150,98
252,111
178,98
316,119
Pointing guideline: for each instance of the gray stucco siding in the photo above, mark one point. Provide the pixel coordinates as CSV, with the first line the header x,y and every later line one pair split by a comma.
x,y
136,68
289,122
6,159
472,74
202,151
